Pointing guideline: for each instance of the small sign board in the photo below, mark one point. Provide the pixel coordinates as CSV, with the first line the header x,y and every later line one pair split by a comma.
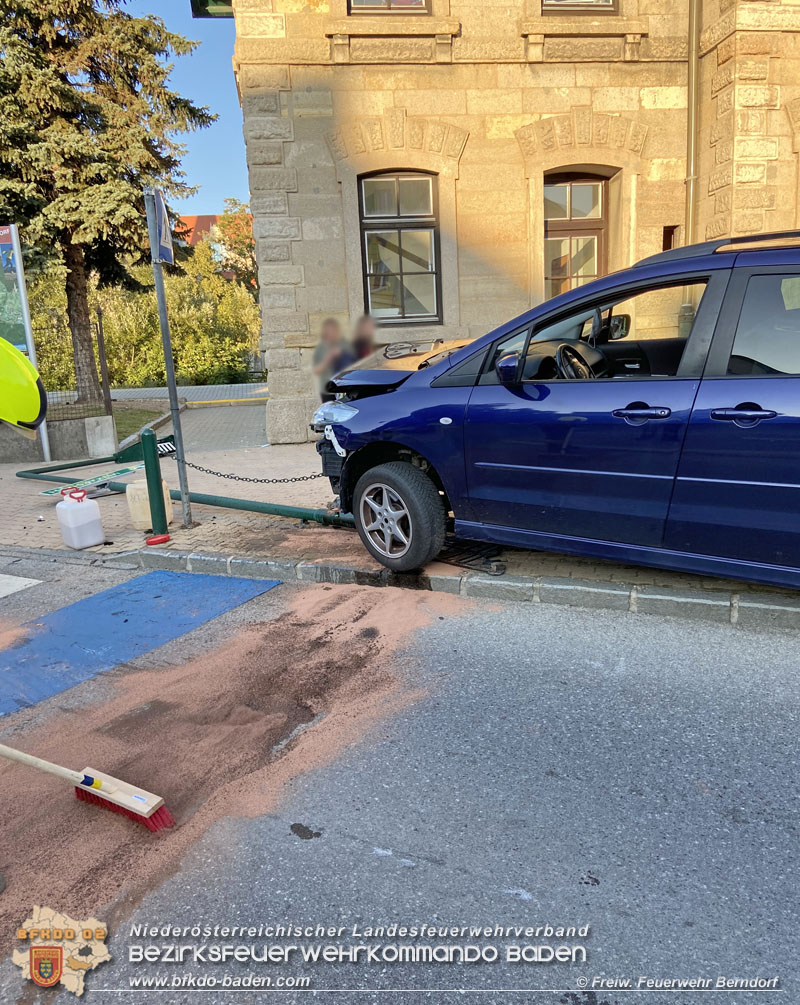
x,y
96,480
165,253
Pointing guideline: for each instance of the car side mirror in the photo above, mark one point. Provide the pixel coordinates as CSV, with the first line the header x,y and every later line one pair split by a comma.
x,y
506,369
618,327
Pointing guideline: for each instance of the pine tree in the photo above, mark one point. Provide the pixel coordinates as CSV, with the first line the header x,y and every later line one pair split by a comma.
x,y
88,119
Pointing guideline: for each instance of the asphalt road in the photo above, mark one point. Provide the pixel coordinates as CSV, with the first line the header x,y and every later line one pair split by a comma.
x,y
555,767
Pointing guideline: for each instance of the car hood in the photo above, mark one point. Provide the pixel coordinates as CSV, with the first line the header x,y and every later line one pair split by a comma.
x,y
389,367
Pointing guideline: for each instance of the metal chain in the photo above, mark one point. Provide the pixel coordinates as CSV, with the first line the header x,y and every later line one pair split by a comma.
x,y
245,478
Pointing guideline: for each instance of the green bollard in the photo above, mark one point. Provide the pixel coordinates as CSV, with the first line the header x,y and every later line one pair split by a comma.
x,y
155,492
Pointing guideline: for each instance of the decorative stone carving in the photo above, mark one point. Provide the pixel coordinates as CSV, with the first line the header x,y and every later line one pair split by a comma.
x,y
394,131
582,127
793,111
633,47
394,128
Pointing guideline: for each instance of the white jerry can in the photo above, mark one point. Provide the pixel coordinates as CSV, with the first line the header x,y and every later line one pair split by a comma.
x,y
79,519
139,504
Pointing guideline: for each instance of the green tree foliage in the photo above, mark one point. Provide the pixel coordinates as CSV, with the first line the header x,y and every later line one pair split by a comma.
x,y
87,120
214,325
233,236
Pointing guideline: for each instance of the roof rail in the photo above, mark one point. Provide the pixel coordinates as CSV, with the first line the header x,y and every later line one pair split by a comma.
x,y
711,247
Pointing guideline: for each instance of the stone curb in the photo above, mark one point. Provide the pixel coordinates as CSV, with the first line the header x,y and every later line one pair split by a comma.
x,y
744,610
226,402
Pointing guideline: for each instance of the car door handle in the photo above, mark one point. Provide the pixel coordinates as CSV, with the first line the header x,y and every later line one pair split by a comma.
x,y
749,413
642,412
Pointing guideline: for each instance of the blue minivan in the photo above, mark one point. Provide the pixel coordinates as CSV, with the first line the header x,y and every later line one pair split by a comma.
x,y
651,416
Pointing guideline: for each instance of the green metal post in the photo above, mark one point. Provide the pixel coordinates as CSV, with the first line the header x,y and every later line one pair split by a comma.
x,y
155,492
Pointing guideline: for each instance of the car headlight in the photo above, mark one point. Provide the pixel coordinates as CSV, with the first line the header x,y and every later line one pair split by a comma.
x,y
334,411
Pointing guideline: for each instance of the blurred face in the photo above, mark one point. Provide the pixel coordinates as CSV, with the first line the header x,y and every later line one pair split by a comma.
x,y
365,330
330,333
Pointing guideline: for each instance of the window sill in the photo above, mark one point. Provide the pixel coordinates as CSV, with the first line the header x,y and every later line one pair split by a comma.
x,y
389,12
629,32
588,23
373,23
386,324
575,10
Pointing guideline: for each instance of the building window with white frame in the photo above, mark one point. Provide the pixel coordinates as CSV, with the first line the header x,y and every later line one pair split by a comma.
x,y
400,247
389,6
580,7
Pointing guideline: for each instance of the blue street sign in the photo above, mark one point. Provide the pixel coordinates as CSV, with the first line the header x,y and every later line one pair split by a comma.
x,y
163,230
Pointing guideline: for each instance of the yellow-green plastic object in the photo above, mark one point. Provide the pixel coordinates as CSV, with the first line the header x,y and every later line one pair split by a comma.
x,y
23,402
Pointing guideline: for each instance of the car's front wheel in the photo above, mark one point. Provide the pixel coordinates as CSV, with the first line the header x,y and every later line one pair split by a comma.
x,y
399,515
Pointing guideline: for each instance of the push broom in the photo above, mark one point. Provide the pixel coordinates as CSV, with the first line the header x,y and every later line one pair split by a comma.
x,y
95,787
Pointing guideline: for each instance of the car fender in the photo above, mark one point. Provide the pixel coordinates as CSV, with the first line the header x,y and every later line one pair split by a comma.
x,y
429,427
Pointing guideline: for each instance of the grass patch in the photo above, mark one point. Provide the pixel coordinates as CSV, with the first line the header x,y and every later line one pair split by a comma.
x,y
131,420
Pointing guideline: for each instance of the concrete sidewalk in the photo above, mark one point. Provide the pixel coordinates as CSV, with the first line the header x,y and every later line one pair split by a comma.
x,y
190,393
236,542
219,428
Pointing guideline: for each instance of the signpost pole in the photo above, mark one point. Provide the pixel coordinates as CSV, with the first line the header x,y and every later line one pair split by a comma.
x,y
26,320
157,243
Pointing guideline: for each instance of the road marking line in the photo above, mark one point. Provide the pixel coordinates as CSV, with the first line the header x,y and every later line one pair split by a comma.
x,y
13,584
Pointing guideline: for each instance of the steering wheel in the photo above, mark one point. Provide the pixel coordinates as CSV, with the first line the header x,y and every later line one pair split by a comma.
x,y
571,365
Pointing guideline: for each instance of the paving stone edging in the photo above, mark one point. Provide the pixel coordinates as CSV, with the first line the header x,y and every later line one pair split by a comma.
x,y
743,610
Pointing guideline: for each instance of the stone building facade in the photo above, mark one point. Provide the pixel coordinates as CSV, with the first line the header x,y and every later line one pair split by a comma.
x,y
445,164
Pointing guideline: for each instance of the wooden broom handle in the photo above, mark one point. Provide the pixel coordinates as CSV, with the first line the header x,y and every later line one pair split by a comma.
x,y
76,777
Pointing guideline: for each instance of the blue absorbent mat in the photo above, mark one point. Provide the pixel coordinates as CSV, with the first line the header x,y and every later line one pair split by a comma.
x,y
79,642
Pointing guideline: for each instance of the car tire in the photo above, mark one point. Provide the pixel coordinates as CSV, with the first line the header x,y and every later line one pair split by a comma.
x,y
395,503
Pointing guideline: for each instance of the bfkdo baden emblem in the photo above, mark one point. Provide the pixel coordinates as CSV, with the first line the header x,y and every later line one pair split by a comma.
x,y
46,965
58,950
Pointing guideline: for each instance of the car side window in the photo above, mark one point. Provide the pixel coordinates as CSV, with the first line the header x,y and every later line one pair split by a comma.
x,y
644,334
767,339
511,343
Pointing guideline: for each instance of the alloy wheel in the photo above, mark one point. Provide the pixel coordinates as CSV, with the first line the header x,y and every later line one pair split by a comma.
x,y
386,520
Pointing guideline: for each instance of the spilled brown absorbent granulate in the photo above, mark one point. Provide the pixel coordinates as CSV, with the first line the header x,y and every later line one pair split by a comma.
x,y
11,634
202,735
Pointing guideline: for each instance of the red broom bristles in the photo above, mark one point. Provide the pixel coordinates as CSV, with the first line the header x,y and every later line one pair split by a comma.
x,y
155,822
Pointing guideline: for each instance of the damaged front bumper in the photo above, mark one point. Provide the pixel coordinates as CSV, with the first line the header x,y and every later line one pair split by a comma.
x,y
332,456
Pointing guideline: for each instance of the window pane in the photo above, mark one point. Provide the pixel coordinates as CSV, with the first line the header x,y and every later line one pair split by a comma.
x,y
666,313
514,343
586,202
415,197
790,293
407,3
366,3
383,251
556,202
555,286
420,294
584,256
417,250
556,257
380,197
768,333
399,264
384,296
